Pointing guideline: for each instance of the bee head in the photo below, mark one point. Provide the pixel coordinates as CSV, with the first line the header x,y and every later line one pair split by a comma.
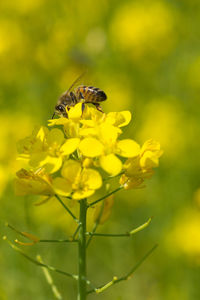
x,y
60,109
64,102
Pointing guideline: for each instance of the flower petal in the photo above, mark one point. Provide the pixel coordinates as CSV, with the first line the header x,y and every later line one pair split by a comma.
x,y
149,160
119,119
38,159
87,132
62,186
127,118
55,137
150,154
91,179
91,147
71,129
88,123
42,133
108,133
81,194
28,183
70,170
111,164
128,148
75,112
59,121
69,146
52,164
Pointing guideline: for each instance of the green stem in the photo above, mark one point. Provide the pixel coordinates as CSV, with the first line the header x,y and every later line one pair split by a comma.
x,y
67,209
82,251
58,241
126,277
92,233
129,233
38,263
106,196
76,231
95,225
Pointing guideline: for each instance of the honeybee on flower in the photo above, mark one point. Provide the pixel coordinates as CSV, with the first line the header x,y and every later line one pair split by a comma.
x,y
81,94
75,156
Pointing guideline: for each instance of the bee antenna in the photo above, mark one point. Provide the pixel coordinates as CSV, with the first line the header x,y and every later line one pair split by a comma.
x,y
53,115
75,81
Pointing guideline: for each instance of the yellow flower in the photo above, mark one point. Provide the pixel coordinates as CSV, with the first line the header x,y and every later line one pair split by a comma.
x,y
98,134
119,119
106,147
139,168
95,138
72,124
100,140
83,181
47,148
30,183
150,154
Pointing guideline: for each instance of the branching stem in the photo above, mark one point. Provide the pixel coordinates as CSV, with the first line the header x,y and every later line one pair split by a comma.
x,y
67,209
106,196
126,277
126,234
39,263
96,224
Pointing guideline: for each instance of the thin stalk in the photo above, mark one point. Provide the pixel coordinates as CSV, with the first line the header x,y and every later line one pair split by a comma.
x,y
82,251
95,225
76,231
67,209
38,263
49,279
91,234
126,277
106,196
126,234
108,234
58,241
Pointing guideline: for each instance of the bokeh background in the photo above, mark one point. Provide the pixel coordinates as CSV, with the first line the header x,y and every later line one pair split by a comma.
x,y
146,56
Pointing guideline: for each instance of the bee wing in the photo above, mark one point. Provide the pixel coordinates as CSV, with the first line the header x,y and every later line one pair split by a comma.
x,y
75,81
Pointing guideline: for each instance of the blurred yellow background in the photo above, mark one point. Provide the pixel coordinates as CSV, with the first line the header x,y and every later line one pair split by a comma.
x,y
146,56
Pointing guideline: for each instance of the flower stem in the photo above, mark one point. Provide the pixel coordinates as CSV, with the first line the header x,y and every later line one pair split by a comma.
x,y
129,233
82,251
106,196
67,209
126,277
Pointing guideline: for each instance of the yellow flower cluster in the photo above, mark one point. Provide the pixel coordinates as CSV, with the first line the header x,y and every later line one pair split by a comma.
x,y
138,168
70,161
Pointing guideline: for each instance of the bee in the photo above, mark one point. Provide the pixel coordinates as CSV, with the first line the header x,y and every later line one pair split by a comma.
x,y
83,94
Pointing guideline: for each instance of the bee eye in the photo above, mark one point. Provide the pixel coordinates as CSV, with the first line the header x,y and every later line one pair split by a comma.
x,y
60,108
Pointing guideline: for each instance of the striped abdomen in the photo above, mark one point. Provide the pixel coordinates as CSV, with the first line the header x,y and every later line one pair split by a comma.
x,y
90,94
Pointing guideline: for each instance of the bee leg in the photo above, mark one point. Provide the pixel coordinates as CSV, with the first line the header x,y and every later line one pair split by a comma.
x,y
83,107
73,98
98,107
81,96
